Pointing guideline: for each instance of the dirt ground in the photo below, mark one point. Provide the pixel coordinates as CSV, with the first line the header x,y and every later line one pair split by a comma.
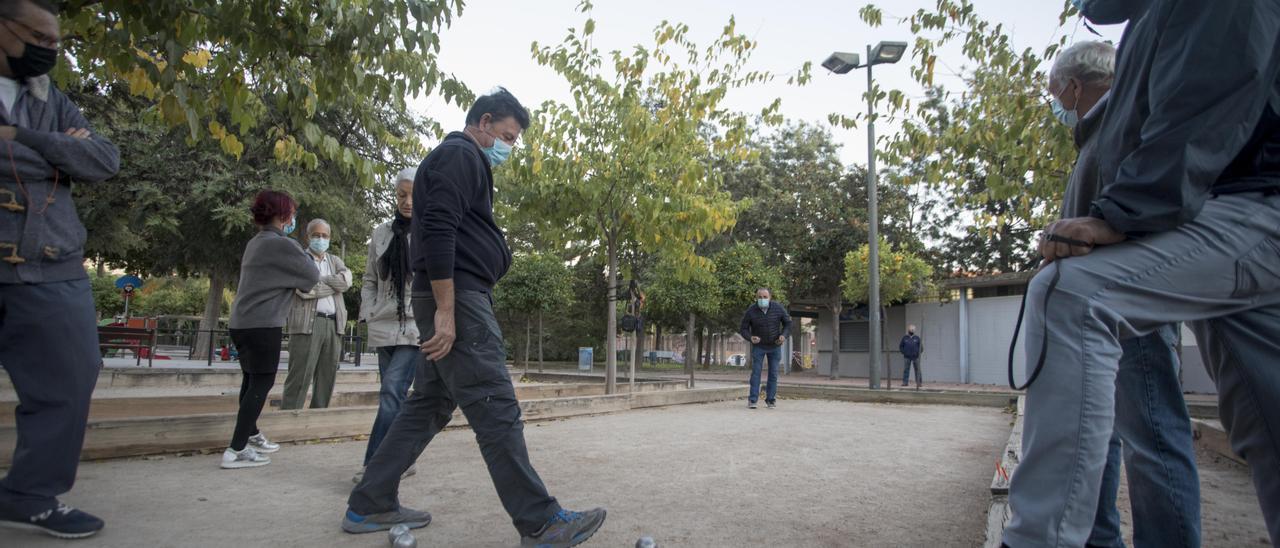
x,y
810,473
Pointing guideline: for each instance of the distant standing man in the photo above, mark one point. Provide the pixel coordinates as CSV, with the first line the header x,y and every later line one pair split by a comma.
x,y
316,324
911,348
767,325
48,333
459,253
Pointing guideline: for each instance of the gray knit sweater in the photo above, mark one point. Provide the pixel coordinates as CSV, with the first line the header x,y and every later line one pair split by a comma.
x,y
272,268
41,238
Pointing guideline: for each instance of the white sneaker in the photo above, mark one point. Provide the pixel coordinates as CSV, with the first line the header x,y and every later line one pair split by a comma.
x,y
245,458
261,444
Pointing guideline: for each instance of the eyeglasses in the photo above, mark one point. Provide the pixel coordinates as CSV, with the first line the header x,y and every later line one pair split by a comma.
x,y
41,38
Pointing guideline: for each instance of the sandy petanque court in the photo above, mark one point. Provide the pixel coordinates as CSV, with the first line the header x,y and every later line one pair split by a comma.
x,y
810,473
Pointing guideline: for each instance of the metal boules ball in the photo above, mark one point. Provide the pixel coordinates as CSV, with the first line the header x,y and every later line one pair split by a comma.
x,y
646,542
405,541
395,532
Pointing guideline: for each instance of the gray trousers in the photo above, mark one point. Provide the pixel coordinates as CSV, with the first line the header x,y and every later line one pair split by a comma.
x,y
313,356
472,376
49,348
1222,273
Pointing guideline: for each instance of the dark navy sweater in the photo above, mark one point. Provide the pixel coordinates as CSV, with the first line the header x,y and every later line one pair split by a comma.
x,y
454,234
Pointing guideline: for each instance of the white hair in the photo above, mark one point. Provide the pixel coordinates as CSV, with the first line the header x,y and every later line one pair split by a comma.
x,y
1089,62
406,174
317,222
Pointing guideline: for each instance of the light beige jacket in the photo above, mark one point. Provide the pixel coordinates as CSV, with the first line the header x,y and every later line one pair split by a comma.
x,y
378,301
302,312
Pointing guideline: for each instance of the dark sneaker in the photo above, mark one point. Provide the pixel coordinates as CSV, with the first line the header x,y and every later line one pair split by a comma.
x,y
62,522
771,405
566,529
751,405
355,523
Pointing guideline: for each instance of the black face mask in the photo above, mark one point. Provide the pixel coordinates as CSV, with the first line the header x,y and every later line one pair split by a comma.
x,y
35,61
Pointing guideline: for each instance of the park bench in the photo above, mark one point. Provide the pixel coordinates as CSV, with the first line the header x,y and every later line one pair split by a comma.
x,y
136,336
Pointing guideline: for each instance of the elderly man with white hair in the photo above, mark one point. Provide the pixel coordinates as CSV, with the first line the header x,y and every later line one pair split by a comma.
x,y
316,323
385,309
1151,420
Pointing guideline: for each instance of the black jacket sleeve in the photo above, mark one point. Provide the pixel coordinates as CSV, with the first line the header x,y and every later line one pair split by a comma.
x,y
745,328
1212,70
447,197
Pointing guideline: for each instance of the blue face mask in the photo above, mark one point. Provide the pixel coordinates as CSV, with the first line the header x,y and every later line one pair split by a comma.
x,y
762,303
497,153
1068,117
319,245
293,223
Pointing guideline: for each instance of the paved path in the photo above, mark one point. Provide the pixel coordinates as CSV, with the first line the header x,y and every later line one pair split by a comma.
x,y
811,473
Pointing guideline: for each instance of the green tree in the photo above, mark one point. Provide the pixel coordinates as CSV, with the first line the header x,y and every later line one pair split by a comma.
x,y
536,284
626,162
903,275
677,297
741,269
994,150
270,69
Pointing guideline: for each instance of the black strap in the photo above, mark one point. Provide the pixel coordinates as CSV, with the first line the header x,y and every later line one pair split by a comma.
x,y
1044,347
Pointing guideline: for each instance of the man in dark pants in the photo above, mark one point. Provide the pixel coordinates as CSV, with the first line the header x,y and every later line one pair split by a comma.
x,y
48,334
458,254
911,347
767,325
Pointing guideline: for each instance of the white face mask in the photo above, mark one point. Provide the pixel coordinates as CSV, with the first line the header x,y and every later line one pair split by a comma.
x,y
1068,117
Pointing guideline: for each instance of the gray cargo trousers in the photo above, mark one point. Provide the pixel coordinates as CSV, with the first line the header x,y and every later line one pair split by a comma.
x,y
1221,272
473,376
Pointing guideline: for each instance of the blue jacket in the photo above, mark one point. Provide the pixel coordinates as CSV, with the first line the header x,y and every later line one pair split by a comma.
x,y
910,346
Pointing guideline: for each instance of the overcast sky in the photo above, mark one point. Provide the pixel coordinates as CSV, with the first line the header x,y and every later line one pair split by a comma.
x,y
490,45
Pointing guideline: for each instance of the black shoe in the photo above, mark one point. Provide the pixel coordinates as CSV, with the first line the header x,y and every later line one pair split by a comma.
x,y
751,405
771,405
566,529
62,522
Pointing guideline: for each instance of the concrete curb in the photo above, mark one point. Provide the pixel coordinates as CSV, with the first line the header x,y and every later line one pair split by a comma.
x,y
127,437
979,399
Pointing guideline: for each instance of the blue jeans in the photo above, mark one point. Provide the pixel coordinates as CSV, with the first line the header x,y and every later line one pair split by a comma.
x,y
1152,421
906,370
396,366
758,354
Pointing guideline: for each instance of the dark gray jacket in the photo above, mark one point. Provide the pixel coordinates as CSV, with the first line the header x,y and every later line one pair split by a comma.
x,y
768,325
273,267
1082,185
1194,112
45,241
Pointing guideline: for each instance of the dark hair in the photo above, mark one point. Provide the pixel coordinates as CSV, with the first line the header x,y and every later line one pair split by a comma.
x,y
9,8
270,205
765,289
499,105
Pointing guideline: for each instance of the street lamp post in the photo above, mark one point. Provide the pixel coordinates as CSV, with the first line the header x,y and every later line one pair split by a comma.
x,y
842,63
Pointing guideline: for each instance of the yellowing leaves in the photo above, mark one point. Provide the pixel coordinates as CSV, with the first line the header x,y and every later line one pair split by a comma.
x,y
140,83
198,59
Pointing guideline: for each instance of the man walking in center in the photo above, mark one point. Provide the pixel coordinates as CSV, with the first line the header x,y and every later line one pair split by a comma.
x,y
48,334
911,349
316,324
458,254
767,325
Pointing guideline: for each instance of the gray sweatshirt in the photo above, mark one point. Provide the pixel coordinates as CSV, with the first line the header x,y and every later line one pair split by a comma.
x,y
272,268
45,241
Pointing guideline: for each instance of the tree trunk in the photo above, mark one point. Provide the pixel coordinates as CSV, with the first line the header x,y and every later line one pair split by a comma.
x,y
721,349
540,337
611,329
698,355
102,268
637,356
835,337
688,347
657,337
527,332
212,308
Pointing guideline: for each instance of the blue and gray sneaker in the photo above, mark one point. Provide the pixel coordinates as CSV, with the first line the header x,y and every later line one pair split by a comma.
x,y
62,522
566,529
355,523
